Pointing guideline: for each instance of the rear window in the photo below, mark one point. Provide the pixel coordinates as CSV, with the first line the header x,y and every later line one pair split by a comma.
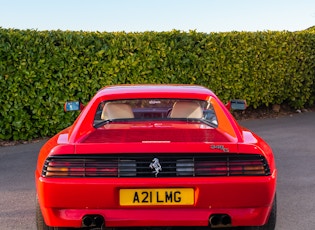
x,y
155,109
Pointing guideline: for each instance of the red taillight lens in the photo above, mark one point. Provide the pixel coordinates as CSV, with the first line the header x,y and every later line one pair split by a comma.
x,y
79,168
230,168
101,169
211,168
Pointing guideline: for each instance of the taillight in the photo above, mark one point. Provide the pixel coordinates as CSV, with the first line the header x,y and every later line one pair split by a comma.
x,y
62,167
57,169
254,167
211,168
233,167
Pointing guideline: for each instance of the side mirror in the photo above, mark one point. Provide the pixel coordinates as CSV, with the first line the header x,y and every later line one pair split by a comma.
x,y
236,104
73,106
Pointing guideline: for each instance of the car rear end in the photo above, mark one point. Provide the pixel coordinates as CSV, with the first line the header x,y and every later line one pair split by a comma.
x,y
141,156
155,187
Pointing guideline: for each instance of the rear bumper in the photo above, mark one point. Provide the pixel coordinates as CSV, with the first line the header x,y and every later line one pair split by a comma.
x,y
247,200
156,217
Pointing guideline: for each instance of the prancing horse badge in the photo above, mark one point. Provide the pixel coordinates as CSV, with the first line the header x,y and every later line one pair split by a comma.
x,y
155,164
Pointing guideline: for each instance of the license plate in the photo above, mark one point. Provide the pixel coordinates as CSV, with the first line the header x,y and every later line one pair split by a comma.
x,y
157,196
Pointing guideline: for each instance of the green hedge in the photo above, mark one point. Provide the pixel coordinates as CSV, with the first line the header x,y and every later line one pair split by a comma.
x,y
40,70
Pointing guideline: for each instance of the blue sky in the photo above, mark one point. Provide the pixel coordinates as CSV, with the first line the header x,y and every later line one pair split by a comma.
x,y
158,15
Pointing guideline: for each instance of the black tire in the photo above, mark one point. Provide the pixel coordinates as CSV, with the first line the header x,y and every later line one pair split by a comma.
x,y
271,224
40,222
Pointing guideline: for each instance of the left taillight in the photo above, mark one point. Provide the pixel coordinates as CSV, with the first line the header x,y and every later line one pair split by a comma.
x,y
67,167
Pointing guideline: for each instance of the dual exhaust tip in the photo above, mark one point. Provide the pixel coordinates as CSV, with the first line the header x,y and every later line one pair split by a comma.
x,y
93,221
220,221
216,221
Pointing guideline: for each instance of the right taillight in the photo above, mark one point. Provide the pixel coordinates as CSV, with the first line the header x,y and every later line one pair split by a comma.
x,y
232,166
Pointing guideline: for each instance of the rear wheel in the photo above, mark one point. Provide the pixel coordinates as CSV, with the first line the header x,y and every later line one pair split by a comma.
x,y
271,224
40,222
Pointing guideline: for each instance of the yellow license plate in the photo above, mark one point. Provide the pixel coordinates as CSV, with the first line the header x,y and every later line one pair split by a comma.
x,y
157,196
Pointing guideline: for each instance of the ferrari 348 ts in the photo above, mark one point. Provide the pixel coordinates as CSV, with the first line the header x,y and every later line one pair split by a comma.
x,y
159,156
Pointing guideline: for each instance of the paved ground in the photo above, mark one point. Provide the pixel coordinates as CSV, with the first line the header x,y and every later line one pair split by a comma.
x,y
292,139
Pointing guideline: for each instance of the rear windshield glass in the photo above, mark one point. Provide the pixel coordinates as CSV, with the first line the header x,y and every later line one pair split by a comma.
x,y
155,109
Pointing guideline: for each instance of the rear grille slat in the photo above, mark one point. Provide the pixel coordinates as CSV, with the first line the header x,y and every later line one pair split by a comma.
x,y
198,165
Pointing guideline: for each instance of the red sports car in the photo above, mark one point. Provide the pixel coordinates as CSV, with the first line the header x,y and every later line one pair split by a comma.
x,y
155,156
